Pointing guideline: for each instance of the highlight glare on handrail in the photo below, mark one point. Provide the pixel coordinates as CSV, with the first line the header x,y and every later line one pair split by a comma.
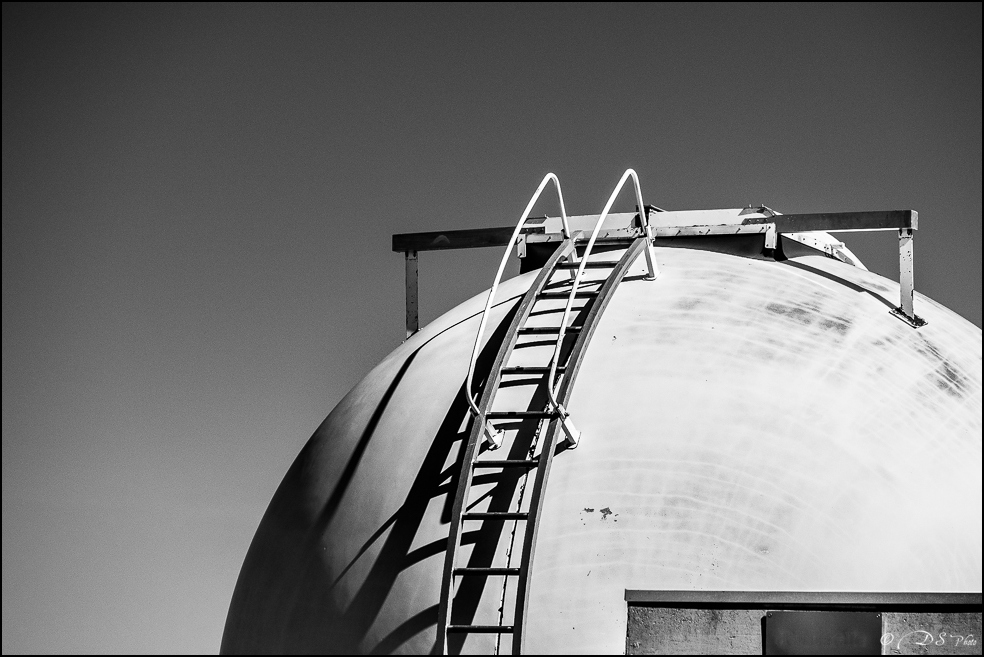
x,y
653,272
498,276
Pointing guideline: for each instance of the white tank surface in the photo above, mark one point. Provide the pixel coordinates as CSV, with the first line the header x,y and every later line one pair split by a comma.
x,y
746,425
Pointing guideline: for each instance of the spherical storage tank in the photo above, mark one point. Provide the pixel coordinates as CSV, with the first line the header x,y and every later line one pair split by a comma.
x,y
747,424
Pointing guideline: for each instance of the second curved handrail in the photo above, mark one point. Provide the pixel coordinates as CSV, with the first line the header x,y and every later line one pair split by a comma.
x,y
473,406
552,383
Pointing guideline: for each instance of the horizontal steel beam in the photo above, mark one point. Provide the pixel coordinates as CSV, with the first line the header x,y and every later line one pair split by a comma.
x,y
453,239
779,598
833,222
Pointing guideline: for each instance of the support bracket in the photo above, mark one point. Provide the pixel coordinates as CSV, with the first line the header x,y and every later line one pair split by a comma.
x,y
413,316
493,435
572,436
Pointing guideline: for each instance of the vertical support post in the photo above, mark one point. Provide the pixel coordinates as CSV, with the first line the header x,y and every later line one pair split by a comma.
x,y
413,319
771,237
905,271
652,269
905,311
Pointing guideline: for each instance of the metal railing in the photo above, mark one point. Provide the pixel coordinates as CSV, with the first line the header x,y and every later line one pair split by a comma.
x,y
552,385
498,277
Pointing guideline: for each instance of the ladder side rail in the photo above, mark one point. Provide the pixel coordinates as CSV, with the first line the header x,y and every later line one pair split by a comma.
x,y
551,380
546,454
498,277
475,439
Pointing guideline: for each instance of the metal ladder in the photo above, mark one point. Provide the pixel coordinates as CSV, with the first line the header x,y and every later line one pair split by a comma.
x,y
492,493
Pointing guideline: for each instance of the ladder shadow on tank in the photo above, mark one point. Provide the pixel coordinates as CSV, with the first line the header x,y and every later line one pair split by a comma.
x,y
309,586
298,561
432,480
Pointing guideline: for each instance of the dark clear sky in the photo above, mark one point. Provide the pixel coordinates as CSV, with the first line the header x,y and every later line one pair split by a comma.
x,y
198,203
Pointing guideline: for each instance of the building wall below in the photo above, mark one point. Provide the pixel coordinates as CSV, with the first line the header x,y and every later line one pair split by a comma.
x,y
663,630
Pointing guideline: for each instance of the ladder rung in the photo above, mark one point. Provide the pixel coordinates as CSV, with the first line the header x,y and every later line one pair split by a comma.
x,y
549,329
530,369
506,464
495,515
480,629
486,571
514,415
592,264
565,287
549,294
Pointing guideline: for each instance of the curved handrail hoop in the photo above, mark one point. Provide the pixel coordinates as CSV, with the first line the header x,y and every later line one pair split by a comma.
x,y
650,259
498,277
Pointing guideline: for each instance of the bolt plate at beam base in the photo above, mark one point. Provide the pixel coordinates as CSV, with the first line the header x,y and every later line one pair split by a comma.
x,y
915,321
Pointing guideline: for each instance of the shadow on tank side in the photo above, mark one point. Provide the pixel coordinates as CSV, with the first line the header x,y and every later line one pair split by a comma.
x,y
284,602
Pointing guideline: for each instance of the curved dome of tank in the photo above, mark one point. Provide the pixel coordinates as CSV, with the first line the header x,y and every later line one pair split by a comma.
x,y
747,425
